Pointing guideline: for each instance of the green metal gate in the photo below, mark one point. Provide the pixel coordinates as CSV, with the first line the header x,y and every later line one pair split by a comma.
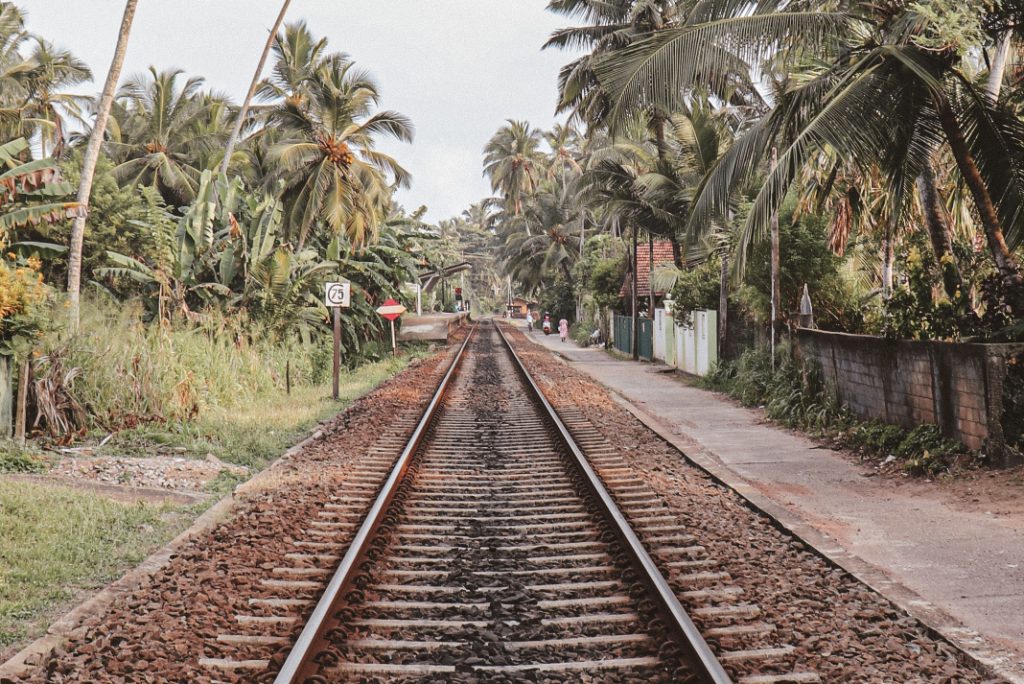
x,y
646,339
623,336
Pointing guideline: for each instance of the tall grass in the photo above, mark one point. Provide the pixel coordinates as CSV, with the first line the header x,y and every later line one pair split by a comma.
x,y
213,387
132,371
253,433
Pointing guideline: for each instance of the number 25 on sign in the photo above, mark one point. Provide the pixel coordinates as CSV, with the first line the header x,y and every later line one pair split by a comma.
x,y
337,296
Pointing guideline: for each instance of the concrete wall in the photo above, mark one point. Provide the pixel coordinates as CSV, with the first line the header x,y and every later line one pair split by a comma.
x,y
958,387
661,321
693,347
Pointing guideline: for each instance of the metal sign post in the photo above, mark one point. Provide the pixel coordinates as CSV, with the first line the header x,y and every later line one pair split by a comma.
x,y
391,310
337,296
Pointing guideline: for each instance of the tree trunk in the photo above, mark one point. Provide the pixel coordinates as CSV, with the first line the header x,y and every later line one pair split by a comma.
x,y
92,154
677,250
1006,264
888,258
936,222
244,111
659,138
6,395
21,407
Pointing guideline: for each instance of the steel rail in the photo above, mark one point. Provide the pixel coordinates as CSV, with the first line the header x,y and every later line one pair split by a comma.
x,y
686,632
297,663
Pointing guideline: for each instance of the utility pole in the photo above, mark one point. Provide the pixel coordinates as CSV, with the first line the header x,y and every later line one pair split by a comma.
x,y
723,303
635,335
776,285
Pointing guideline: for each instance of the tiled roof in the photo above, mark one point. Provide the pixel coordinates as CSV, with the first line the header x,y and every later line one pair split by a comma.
x,y
662,255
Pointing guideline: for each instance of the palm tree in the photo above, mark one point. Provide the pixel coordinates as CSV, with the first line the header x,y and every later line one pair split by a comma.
x,y
92,153
512,161
609,26
549,240
888,93
564,141
162,141
298,54
52,71
332,173
14,68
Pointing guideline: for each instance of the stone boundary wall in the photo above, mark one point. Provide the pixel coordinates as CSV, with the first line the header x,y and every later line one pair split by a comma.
x,y
957,386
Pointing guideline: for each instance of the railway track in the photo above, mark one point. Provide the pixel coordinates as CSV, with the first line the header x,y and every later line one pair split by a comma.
x,y
498,551
493,553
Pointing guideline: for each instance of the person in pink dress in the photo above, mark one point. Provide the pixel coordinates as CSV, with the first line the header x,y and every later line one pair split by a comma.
x,y
563,329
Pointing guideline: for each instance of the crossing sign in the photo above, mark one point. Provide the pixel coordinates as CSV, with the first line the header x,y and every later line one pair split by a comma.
x,y
391,309
338,295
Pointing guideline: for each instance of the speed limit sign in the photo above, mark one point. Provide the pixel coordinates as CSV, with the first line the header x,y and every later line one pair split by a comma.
x,y
337,294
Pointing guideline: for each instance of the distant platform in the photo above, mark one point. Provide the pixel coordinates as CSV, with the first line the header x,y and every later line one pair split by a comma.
x,y
433,327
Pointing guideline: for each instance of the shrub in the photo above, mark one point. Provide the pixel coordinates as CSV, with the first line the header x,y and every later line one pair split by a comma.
x,y
806,259
876,437
15,459
581,333
794,395
697,288
925,451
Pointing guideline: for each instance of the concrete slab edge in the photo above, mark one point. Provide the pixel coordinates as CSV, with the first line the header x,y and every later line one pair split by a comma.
x,y
16,666
117,492
990,657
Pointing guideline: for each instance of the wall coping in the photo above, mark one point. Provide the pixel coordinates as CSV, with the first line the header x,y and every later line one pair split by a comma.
x,y
995,348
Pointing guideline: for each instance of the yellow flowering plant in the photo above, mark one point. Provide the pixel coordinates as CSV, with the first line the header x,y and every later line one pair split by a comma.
x,y
24,302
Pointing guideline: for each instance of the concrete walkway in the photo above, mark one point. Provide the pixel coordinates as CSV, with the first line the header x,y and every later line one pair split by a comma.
x,y
961,572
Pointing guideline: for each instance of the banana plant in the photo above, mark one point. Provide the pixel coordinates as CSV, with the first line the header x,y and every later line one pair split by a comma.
x,y
28,190
251,241
178,275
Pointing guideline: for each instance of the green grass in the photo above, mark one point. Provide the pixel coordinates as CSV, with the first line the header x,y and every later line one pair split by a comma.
x,y
57,542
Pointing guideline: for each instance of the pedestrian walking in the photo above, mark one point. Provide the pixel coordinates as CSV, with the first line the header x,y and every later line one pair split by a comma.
x,y
563,329
529,321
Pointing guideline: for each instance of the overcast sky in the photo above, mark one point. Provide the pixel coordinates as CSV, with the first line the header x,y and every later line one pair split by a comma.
x,y
458,68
